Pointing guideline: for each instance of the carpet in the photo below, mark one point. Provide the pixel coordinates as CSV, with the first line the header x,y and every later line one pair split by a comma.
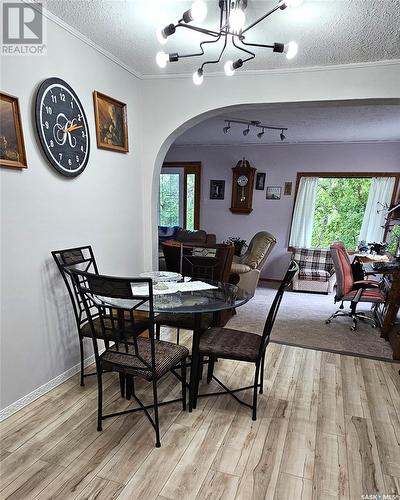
x,y
301,322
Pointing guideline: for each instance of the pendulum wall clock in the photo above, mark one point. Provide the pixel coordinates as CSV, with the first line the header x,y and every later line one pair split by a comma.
x,y
242,187
62,127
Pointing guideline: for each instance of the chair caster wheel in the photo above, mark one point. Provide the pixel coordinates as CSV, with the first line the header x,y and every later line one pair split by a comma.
x,y
374,326
328,322
353,329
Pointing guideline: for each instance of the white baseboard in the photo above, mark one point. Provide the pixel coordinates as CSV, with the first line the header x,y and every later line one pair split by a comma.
x,y
43,389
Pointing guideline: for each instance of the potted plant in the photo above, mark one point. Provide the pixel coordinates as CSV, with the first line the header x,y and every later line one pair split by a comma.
x,y
239,244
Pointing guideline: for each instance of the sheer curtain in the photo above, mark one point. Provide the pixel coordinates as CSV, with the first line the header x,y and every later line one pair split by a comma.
x,y
303,215
381,191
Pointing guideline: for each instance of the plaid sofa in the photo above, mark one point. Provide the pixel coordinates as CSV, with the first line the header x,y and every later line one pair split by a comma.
x,y
316,271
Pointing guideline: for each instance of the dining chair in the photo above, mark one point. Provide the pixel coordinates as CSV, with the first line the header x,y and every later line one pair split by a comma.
x,y
143,357
83,258
211,262
240,345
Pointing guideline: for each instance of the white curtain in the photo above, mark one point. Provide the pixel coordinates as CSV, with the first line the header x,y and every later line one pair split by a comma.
x,y
303,215
380,192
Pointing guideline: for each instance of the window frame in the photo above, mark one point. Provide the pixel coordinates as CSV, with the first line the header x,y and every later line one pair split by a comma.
x,y
193,167
341,175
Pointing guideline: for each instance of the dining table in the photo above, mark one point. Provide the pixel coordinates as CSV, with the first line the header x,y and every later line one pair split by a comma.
x,y
196,297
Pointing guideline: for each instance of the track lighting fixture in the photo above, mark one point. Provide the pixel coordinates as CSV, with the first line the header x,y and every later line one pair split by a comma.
x,y
231,29
257,125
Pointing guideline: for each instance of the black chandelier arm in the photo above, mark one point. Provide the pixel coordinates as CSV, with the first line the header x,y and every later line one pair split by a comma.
x,y
264,46
199,30
279,6
216,61
252,55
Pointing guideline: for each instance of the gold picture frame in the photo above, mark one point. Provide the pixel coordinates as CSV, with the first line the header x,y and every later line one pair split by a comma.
x,y
111,123
12,145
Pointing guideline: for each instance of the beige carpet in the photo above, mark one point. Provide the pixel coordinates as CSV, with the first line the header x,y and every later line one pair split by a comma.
x,y
301,322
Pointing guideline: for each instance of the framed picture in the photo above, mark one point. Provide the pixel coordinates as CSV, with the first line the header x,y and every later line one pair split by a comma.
x,y
12,147
287,191
273,193
111,123
217,190
260,181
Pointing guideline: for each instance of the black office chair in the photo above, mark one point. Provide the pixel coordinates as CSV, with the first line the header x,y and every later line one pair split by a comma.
x,y
243,346
142,357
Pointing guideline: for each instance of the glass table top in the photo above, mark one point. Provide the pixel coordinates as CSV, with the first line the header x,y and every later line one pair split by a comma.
x,y
219,298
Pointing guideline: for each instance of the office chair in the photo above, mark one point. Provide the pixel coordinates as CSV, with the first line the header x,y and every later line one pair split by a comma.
x,y
347,289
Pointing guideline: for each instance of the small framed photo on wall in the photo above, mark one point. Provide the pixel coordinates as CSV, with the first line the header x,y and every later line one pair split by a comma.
x,y
260,181
287,191
12,147
217,190
273,193
111,123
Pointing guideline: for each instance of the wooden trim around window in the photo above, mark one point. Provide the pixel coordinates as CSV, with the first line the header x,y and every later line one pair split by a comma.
x,y
348,175
193,167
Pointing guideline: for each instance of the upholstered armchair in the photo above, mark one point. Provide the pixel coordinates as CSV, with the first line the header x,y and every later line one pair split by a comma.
x,y
249,265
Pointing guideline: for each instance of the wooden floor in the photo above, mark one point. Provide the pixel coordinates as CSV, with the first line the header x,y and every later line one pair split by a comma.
x,y
328,428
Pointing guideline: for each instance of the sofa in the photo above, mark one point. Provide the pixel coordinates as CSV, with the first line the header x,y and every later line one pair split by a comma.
x,y
249,265
176,233
316,271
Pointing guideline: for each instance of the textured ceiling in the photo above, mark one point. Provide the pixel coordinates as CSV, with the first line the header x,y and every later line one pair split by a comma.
x,y
306,124
327,31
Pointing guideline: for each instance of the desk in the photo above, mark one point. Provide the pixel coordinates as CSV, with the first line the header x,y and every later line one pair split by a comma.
x,y
224,296
387,316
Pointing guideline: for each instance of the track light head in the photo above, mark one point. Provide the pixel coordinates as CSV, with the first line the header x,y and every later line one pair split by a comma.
x,y
282,136
226,128
246,130
260,134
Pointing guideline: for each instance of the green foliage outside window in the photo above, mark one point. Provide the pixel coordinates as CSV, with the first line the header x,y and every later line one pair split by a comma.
x,y
339,211
169,200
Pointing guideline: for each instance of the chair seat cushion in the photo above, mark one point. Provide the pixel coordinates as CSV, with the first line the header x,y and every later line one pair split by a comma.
x,y
137,328
167,355
184,321
239,268
367,296
230,344
308,273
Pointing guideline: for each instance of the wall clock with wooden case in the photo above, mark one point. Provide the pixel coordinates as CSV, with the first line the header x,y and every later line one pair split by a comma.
x,y
242,188
62,127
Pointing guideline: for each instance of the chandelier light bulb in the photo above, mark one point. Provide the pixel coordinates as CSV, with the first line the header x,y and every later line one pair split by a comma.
x,y
160,37
198,77
229,69
161,59
290,49
198,12
237,19
293,3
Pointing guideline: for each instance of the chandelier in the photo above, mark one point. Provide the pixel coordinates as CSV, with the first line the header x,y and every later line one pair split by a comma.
x,y
257,125
231,29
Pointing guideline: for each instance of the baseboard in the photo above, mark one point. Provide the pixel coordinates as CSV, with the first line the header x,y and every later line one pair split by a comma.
x,y
43,389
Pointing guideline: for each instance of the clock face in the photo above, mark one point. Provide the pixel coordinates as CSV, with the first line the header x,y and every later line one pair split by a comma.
x,y
62,127
242,181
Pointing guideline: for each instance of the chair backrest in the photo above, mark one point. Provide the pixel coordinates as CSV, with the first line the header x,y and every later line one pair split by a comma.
x,y
99,293
208,262
81,258
344,273
273,311
259,248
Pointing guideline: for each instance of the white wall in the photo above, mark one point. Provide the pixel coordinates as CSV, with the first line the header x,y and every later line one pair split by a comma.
x,y
43,211
281,164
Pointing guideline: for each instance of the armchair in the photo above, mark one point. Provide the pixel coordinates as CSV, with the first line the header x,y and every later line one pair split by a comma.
x,y
316,271
249,266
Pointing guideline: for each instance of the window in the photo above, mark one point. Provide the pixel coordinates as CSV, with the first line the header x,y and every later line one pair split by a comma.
x,y
180,195
341,207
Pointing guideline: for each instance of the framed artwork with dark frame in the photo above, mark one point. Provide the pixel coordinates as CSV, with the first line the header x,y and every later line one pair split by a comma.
x,y
287,191
260,181
111,123
217,190
12,146
273,193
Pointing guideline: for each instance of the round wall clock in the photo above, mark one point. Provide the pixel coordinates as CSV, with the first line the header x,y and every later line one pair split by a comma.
x,y
62,127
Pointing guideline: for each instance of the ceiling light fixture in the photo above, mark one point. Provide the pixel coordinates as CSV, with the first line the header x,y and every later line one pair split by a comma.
x,y
231,29
257,125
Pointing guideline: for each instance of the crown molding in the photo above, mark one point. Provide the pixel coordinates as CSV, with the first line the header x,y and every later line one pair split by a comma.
x,y
334,67
275,144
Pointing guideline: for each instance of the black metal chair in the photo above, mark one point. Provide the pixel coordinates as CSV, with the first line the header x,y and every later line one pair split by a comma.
x,y
142,357
82,258
243,346
211,262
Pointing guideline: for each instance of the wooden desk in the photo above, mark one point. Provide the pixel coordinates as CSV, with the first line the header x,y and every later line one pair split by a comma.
x,y
390,330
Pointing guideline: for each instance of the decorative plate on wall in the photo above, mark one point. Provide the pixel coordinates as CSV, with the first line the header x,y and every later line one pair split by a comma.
x,y
62,127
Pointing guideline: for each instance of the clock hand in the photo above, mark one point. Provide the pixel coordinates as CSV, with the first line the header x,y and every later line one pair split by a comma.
x,y
72,128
